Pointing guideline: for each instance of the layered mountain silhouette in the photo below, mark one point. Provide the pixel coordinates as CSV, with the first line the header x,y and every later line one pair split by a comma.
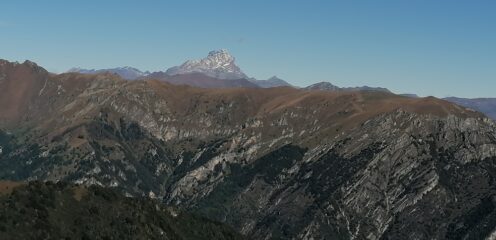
x,y
327,86
484,105
201,80
217,70
271,82
272,163
128,73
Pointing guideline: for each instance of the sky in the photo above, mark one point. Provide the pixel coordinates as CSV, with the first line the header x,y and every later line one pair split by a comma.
x,y
440,48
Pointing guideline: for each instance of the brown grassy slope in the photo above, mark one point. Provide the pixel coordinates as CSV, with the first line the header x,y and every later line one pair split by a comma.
x,y
335,110
28,92
270,100
19,86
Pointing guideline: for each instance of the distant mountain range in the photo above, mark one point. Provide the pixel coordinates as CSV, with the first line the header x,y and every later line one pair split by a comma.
x,y
484,105
128,73
327,86
201,80
271,82
410,95
219,70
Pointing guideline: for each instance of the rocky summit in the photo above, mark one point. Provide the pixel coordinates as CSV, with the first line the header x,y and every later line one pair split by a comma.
x,y
276,163
218,64
217,70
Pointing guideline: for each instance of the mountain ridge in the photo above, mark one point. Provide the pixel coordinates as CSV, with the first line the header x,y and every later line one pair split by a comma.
x,y
271,162
201,80
327,86
273,81
484,105
218,67
128,73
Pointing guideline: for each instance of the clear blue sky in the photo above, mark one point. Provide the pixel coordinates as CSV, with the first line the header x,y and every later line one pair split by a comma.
x,y
430,47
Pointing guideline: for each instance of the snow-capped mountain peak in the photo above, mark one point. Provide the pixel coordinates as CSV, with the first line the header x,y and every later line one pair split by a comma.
x,y
219,64
220,57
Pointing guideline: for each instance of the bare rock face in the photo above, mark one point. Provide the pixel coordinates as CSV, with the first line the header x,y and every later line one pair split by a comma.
x,y
276,163
218,64
366,185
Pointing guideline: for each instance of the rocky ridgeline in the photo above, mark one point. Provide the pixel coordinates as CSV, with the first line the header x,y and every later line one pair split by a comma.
x,y
219,64
273,163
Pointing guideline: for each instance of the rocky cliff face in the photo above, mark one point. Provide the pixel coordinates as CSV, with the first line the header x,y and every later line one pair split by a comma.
x,y
218,64
367,184
273,163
